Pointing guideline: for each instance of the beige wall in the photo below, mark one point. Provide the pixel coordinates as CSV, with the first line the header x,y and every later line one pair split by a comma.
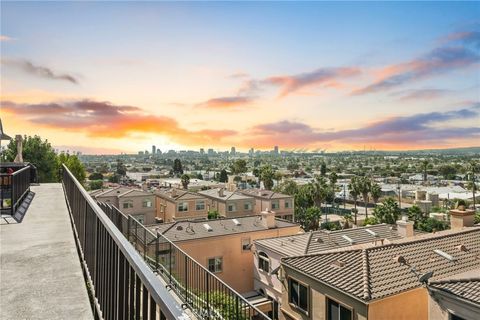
x,y
171,213
263,204
237,264
412,304
138,209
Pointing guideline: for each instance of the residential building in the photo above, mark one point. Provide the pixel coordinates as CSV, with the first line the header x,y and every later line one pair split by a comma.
x,y
405,279
176,204
140,204
269,253
230,204
281,204
223,246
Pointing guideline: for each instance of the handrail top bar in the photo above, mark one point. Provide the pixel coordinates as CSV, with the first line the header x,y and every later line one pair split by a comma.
x,y
21,170
158,292
202,267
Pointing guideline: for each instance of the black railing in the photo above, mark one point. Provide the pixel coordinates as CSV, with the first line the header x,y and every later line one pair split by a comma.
x,y
14,187
202,291
123,286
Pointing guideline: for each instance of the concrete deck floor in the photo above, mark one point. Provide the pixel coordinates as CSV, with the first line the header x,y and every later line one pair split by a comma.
x,y
40,271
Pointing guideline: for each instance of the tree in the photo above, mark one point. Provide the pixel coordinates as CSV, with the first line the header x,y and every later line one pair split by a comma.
x,y
375,192
223,176
289,187
121,169
38,152
354,193
177,167
95,176
278,176
95,184
239,166
416,215
213,214
309,218
364,186
199,176
323,169
472,169
267,175
424,168
76,168
447,171
387,212
333,178
185,179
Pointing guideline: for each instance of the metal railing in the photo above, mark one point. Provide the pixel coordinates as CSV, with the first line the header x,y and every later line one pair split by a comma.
x,y
123,286
14,188
201,290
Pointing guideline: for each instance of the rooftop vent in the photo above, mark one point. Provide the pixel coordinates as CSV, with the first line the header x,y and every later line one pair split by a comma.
x,y
350,240
207,227
319,240
462,248
373,233
236,222
445,255
400,259
179,228
338,264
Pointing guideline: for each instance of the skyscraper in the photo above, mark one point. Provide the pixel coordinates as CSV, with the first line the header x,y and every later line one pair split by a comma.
x,y
233,151
154,150
202,151
275,150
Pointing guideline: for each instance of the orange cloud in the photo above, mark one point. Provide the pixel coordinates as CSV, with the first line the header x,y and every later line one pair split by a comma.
x,y
226,102
102,119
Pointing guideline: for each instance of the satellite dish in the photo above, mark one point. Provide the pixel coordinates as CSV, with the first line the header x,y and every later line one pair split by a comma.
x,y
424,277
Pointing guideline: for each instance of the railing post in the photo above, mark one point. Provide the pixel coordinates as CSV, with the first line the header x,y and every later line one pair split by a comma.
x,y
185,279
170,263
208,295
157,247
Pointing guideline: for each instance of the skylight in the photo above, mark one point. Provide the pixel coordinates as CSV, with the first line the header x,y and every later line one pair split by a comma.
x,y
445,255
236,222
348,239
207,227
373,233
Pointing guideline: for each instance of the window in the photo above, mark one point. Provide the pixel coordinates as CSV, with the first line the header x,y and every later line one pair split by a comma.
x,y
200,205
215,264
337,311
147,203
263,262
274,205
128,204
298,295
247,206
246,244
287,204
232,207
183,206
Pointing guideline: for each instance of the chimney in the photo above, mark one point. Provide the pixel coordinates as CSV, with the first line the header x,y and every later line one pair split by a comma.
x,y
268,219
220,192
144,187
405,227
461,218
173,193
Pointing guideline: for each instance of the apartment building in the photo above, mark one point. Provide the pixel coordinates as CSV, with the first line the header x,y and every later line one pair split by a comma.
x,y
269,252
230,204
281,204
140,204
176,204
223,246
411,278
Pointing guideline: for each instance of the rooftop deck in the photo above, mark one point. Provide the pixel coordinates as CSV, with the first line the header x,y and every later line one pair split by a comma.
x,y
40,271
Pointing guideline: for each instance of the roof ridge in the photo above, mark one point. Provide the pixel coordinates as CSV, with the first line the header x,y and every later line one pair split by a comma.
x,y
366,277
455,280
308,243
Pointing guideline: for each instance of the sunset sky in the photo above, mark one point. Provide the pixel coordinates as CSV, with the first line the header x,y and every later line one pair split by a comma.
x,y
120,76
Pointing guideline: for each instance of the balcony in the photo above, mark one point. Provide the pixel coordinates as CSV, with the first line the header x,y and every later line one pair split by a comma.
x,y
71,258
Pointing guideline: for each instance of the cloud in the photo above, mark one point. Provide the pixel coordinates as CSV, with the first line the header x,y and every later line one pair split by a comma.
x,y
226,102
6,38
103,119
459,51
324,76
238,75
418,129
40,71
421,94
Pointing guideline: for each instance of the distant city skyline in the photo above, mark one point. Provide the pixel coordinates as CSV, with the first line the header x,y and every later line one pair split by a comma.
x,y
111,77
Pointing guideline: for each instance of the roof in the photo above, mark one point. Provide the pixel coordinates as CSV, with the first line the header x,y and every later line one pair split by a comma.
x,y
468,289
322,240
373,273
227,195
170,194
189,230
264,194
134,193
113,192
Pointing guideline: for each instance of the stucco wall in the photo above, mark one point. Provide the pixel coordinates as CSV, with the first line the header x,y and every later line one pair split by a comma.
x,y
412,304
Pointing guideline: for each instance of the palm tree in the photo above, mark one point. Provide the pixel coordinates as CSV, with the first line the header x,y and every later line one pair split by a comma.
x,y
424,168
375,192
185,179
354,192
472,167
364,186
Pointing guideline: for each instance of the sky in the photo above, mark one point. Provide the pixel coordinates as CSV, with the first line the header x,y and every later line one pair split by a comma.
x,y
110,77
